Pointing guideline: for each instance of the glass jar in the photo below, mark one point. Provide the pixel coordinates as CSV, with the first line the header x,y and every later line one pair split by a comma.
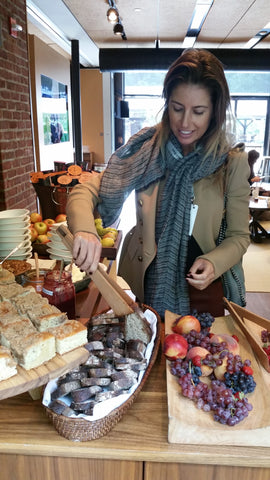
x,y
30,279
60,291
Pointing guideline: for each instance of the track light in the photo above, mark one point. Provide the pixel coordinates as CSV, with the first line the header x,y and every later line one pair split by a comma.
x,y
114,18
118,29
112,15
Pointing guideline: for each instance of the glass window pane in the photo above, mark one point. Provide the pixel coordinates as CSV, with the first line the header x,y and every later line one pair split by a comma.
x,y
250,123
143,91
248,83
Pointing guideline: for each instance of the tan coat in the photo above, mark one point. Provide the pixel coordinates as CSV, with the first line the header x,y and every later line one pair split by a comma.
x,y
139,246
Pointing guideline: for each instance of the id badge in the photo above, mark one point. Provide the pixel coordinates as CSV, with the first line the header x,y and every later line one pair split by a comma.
x,y
193,214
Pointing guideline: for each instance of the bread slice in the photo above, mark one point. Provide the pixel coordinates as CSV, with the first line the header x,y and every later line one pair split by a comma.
x,y
41,309
15,331
10,318
8,292
137,328
34,349
8,366
28,302
7,308
71,334
52,320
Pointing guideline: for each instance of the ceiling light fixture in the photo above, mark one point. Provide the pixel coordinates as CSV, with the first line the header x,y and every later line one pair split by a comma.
x,y
199,15
118,29
114,18
112,15
264,32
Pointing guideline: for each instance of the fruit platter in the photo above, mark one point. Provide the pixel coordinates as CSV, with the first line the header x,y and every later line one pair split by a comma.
x,y
218,391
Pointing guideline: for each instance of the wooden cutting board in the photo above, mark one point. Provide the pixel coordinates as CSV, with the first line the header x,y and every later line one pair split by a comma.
x,y
27,380
188,425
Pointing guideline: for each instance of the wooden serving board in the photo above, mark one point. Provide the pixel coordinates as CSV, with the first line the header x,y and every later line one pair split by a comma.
x,y
27,380
188,425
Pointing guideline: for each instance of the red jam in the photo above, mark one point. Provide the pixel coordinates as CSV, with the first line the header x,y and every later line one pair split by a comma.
x,y
60,291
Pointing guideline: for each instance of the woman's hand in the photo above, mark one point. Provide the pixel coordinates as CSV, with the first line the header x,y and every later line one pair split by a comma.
x,y
201,274
256,179
86,251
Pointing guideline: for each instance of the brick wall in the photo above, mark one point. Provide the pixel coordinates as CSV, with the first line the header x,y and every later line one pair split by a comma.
x,y
16,142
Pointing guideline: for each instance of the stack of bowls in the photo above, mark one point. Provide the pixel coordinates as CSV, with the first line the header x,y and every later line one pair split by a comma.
x,y
14,229
56,248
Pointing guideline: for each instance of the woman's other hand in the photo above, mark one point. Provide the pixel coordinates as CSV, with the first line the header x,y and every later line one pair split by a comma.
x,y
86,251
256,179
201,274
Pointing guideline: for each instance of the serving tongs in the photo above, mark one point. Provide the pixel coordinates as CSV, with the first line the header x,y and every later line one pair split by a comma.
x,y
240,314
120,302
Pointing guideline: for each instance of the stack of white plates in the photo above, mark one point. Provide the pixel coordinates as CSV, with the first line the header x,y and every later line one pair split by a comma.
x,y
56,248
14,229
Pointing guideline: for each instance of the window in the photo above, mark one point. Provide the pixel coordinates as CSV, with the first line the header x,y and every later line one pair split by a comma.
x,y
250,115
250,94
143,91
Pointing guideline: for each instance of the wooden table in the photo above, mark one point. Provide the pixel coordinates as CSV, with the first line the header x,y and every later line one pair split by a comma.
x,y
256,208
136,448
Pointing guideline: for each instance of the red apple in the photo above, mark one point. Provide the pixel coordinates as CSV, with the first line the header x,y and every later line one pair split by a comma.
x,y
35,217
33,233
49,222
185,324
43,239
41,228
232,344
175,346
201,352
61,217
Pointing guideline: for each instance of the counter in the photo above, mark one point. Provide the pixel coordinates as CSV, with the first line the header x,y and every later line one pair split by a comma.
x,y
136,448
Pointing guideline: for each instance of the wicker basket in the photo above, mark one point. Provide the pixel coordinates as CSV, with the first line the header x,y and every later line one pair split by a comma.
x,y
78,429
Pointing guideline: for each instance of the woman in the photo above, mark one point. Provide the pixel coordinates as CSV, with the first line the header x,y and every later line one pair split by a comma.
x,y
171,258
253,156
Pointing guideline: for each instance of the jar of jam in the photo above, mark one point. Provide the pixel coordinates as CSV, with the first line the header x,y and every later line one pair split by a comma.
x,y
60,291
30,279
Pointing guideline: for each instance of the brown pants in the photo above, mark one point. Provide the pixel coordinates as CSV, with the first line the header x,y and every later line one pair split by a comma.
x,y
208,300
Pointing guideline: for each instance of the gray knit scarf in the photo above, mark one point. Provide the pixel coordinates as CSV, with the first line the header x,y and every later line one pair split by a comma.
x,y
135,166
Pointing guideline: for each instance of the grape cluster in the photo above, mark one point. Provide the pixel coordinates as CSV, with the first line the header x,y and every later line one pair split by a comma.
x,y
180,368
228,409
206,319
226,399
199,339
239,382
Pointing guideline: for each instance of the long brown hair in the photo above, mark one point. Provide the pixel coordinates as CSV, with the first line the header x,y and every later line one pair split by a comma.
x,y
200,67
